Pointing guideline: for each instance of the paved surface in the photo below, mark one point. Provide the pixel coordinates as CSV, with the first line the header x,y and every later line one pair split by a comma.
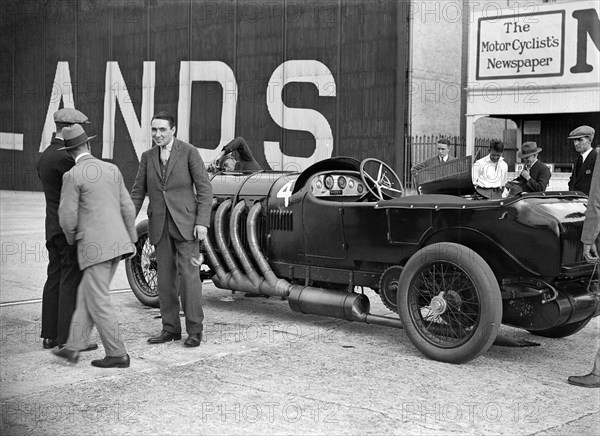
x,y
263,369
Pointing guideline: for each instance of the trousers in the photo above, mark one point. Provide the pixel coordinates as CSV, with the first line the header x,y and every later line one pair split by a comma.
x,y
94,308
60,290
178,278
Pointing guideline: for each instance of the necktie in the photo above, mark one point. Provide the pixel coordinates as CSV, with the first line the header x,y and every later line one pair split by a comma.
x,y
164,155
578,164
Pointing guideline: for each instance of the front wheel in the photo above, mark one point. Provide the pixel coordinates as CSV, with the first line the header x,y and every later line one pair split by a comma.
x,y
142,270
449,303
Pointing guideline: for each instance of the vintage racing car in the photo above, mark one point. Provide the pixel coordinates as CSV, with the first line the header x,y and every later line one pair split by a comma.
x,y
453,268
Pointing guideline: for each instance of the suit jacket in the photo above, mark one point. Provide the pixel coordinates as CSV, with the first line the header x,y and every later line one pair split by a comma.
x,y
185,192
51,166
540,177
591,225
431,162
246,161
96,212
581,180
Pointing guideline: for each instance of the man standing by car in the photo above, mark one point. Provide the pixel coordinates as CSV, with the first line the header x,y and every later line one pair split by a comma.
x,y
60,290
535,176
489,173
443,149
590,237
581,177
175,179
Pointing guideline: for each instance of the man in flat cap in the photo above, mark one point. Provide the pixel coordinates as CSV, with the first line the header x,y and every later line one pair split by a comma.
x,y
60,291
96,215
535,176
581,177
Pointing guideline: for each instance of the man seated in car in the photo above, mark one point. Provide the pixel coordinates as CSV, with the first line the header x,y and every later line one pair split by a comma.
x,y
535,176
246,162
489,173
443,148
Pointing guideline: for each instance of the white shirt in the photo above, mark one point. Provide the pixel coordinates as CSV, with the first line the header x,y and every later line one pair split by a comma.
x,y
79,156
585,154
165,151
488,174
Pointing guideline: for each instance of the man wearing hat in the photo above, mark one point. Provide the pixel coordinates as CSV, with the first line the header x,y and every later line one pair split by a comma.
x,y
581,177
60,291
97,214
535,176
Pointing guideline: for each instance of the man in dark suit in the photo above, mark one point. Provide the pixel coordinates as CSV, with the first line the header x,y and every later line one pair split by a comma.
x,y
590,237
246,161
60,291
535,176
581,177
95,213
443,150
175,179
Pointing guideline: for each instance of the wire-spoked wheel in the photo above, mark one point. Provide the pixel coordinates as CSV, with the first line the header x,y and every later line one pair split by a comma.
x,y
449,303
142,270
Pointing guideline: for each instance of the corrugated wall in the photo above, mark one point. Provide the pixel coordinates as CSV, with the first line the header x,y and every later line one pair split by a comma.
x,y
362,43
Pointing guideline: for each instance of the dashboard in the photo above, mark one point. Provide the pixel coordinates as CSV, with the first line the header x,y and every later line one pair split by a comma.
x,y
337,184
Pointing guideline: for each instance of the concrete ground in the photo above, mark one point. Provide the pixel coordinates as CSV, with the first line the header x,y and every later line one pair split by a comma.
x,y
263,369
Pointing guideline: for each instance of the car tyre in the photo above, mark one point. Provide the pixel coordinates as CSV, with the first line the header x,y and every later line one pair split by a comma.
x,y
141,269
449,303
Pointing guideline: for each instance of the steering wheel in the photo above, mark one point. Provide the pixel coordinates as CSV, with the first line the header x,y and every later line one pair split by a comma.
x,y
386,184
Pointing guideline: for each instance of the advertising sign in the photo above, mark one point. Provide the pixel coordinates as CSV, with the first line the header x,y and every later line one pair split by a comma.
x,y
530,45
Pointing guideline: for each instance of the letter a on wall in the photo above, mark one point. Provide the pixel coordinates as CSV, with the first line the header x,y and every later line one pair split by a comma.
x,y
61,90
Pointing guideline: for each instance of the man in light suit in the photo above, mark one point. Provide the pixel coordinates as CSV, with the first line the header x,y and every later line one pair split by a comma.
x,y
97,214
175,179
581,177
590,237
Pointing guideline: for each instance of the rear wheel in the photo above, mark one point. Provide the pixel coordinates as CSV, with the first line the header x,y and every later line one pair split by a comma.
x,y
141,270
449,303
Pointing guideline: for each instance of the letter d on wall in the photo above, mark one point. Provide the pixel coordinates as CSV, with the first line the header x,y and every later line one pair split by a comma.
x,y
309,120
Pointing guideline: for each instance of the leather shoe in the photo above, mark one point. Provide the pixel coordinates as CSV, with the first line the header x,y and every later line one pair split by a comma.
x,y
164,337
590,380
193,340
112,362
48,343
71,355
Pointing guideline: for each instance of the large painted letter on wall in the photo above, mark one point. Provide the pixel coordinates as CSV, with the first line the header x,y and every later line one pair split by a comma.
x,y
116,90
309,120
62,89
207,71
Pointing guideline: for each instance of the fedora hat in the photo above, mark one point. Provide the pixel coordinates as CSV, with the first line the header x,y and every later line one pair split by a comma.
x,y
74,136
527,149
582,131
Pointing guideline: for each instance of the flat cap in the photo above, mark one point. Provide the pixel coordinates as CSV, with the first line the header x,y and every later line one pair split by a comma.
x,y
69,115
582,131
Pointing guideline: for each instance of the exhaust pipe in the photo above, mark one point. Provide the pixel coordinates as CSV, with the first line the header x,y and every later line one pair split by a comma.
x,y
337,304
234,231
348,306
237,281
221,278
